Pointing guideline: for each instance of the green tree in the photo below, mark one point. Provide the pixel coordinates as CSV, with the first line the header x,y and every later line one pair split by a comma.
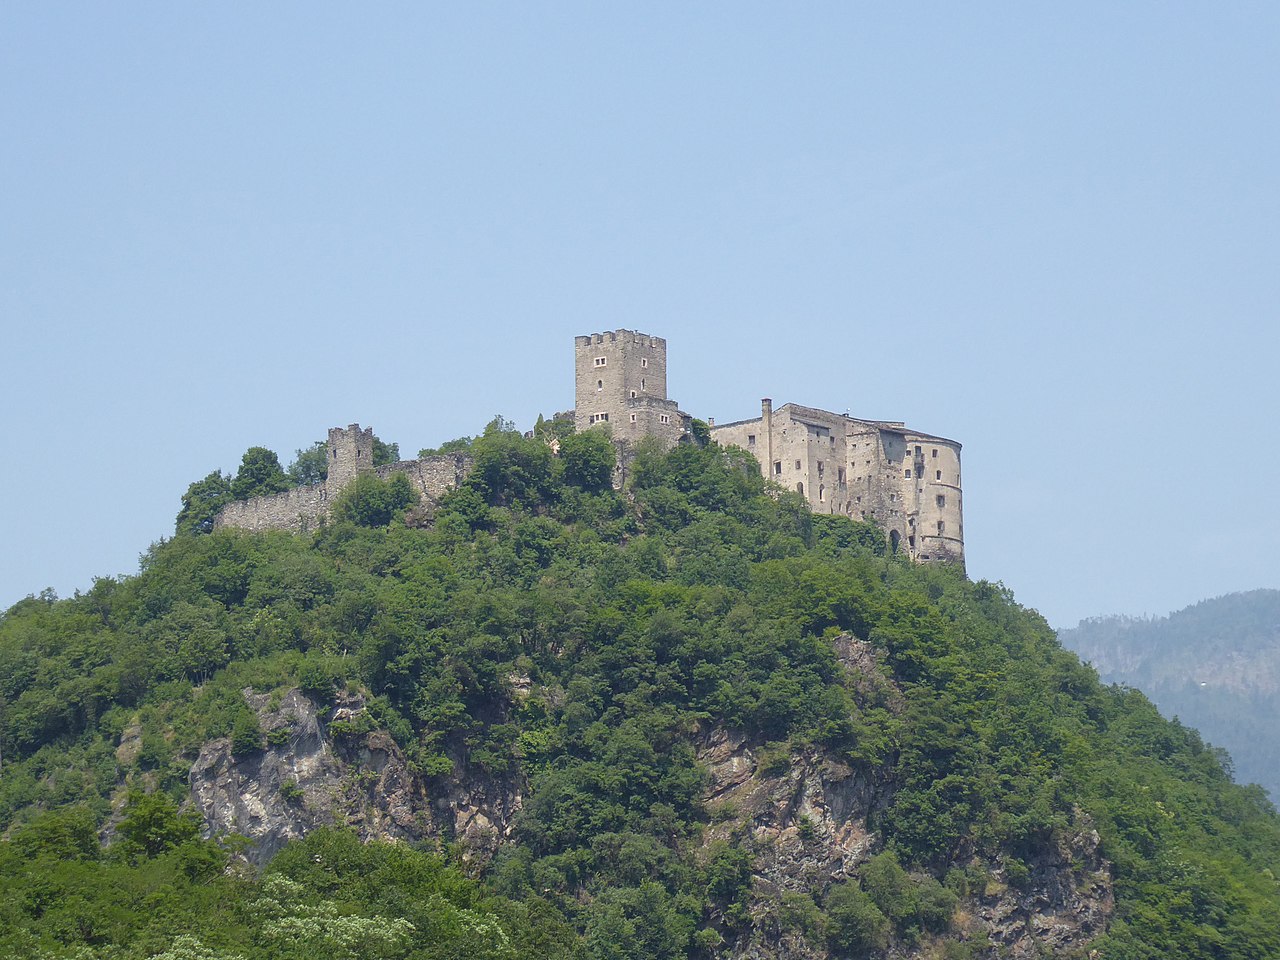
x,y
260,473
310,466
855,925
384,453
370,501
152,824
201,503
587,460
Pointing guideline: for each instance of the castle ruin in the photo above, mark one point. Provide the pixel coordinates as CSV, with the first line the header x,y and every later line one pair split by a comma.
x,y
905,481
349,453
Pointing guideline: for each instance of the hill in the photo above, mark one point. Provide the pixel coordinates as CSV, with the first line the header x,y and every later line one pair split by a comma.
x,y
1215,665
687,720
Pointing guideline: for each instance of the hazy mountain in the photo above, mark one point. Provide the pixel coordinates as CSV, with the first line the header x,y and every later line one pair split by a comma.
x,y
1214,665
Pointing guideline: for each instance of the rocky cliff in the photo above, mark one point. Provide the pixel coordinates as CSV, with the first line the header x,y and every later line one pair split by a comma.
x,y
807,819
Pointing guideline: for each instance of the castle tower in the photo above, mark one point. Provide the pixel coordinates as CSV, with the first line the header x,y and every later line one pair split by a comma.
x,y
621,380
350,453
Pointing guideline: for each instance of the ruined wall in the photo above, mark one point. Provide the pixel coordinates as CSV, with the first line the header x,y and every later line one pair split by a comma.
x,y
431,477
350,453
297,510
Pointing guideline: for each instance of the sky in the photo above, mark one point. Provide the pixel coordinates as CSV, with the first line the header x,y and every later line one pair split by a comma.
x,y
1048,231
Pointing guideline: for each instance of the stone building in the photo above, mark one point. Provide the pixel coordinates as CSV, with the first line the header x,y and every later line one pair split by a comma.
x,y
905,481
620,378
349,453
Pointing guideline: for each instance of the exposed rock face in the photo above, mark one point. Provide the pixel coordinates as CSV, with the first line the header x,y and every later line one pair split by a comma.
x,y
1065,904
332,767
805,818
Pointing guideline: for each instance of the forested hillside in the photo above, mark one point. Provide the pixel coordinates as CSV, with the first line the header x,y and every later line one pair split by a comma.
x,y
689,719
1215,665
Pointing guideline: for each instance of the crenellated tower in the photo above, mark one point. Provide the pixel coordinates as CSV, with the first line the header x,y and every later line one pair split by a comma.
x,y
621,379
350,453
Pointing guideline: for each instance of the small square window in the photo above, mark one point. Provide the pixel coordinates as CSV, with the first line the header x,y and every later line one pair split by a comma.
x,y
663,418
751,439
600,418
602,361
906,473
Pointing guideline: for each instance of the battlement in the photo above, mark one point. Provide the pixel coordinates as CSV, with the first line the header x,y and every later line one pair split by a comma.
x,y
623,336
905,481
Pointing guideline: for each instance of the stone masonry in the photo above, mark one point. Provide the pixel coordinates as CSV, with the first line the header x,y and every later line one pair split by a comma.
x,y
350,453
905,481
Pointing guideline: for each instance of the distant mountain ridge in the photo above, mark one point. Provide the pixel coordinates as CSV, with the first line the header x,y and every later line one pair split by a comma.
x,y
1215,665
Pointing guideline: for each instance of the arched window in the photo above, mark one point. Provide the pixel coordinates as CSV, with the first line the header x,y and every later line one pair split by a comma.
x,y
894,539
800,488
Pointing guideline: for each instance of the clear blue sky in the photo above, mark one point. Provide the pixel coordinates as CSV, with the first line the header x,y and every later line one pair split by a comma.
x,y
1046,230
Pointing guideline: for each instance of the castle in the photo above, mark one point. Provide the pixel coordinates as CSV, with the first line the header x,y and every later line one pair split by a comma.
x,y
905,481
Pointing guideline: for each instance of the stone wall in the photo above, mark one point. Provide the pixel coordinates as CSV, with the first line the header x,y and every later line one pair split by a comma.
x,y
350,453
298,510
906,482
431,477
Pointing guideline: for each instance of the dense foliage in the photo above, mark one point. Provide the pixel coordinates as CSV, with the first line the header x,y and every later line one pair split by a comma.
x,y
1215,665
697,597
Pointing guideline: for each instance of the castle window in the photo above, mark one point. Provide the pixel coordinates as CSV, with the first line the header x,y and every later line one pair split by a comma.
x,y
821,491
919,452
642,386
938,475
777,468
911,542
633,418
942,525
633,394
644,361
663,418
942,501
602,361
599,385
800,488
751,439
797,464
935,454
822,466
839,474
906,473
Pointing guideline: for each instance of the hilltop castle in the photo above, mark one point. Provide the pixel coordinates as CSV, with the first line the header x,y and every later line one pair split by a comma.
x,y
905,481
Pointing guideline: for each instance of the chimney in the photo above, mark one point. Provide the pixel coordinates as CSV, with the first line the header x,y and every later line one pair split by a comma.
x,y
766,421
